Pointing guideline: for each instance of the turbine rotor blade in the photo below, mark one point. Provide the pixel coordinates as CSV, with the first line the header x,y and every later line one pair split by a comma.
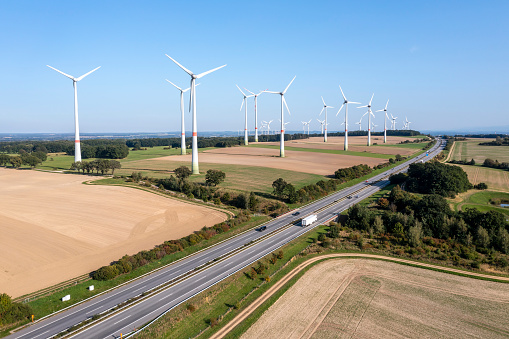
x,y
180,89
67,75
323,101
284,101
343,94
242,104
185,69
208,72
340,109
286,89
240,90
84,75
249,91
321,111
371,99
386,104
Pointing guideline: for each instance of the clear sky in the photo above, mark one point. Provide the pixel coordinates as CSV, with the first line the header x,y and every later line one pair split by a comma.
x,y
443,64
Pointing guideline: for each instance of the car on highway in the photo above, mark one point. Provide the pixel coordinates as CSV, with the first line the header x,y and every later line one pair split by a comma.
x,y
296,213
263,228
349,197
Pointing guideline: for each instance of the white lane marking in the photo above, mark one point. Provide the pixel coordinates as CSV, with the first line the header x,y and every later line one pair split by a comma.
x,y
41,334
121,320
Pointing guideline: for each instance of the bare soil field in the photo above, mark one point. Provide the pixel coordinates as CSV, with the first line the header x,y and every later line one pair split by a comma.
x,y
307,162
54,228
497,180
377,299
356,144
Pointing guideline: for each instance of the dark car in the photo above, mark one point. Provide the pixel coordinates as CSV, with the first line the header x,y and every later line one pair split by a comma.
x,y
263,228
296,213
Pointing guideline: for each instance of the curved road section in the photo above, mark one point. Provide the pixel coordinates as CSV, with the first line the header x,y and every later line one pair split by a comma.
x,y
195,273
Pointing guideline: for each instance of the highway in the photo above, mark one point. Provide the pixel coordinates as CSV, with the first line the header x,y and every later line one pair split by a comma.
x,y
186,280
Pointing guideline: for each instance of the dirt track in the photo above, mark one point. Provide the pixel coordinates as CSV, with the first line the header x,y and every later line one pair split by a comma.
x,y
365,298
54,228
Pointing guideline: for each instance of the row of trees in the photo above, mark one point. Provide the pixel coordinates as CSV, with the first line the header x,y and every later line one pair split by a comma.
x,y
99,165
286,191
354,172
130,262
499,141
25,158
413,217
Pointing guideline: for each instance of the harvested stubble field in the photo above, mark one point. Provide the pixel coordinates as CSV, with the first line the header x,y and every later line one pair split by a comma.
x,y
306,162
470,149
355,143
497,180
377,299
54,228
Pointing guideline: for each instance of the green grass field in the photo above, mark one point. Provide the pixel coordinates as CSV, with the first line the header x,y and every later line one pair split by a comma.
x,y
417,145
329,151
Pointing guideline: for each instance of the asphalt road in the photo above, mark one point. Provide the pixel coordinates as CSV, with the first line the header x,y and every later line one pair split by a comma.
x,y
278,232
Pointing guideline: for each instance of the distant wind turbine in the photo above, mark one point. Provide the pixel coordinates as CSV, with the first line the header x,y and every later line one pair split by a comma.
x,y
283,102
393,122
182,125
385,120
370,113
325,108
345,103
256,111
195,166
322,122
244,101
77,144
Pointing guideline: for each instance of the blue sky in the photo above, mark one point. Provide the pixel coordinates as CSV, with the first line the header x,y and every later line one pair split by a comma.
x,y
443,64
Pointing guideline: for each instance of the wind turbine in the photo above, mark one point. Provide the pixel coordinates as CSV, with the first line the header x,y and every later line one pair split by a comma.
x,y
182,126
407,124
322,122
286,123
244,101
360,121
283,102
303,127
256,111
345,103
393,122
325,108
304,124
385,120
268,126
369,118
195,166
77,145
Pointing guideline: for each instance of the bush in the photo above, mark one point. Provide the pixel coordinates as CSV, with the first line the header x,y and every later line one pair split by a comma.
x,y
105,273
481,186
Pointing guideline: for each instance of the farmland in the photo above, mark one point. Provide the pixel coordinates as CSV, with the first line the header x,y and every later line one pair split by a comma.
x,y
470,149
364,298
55,228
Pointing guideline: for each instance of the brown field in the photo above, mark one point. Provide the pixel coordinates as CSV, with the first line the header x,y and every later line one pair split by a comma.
x,y
376,299
497,180
356,144
307,162
54,228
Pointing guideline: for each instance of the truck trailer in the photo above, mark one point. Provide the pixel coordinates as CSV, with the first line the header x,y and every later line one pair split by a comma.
x,y
309,220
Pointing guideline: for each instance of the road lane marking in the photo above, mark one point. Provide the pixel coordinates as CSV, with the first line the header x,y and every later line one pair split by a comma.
x,y
121,320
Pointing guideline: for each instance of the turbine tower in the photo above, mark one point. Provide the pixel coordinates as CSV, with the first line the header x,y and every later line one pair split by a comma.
x,y
195,166
182,126
325,108
385,120
244,101
369,118
283,102
322,122
77,145
360,121
256,111
345,103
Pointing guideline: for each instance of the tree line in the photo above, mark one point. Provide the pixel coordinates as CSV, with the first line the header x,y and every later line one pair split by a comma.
x,y
99,165
12,312
499,141
24,158
129,263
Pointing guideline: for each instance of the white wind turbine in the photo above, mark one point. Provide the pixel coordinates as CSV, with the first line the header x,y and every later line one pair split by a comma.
x,y
286,123
360,121
325,108
345,103
268,126
244,101
369,118
256,111
393,122
407,124
322,122
303,127
77,145
306,123
283,102
182,125
195,166
385,120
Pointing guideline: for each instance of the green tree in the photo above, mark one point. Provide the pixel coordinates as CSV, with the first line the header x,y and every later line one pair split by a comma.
x,y
15,161
483,237
378,225
182,172
214,177
77,166
253,202
31,160
4,159
414,234
114,164
334,230
279,186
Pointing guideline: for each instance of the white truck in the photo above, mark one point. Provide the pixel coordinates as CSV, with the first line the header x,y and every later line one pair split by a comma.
x,y
309,220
